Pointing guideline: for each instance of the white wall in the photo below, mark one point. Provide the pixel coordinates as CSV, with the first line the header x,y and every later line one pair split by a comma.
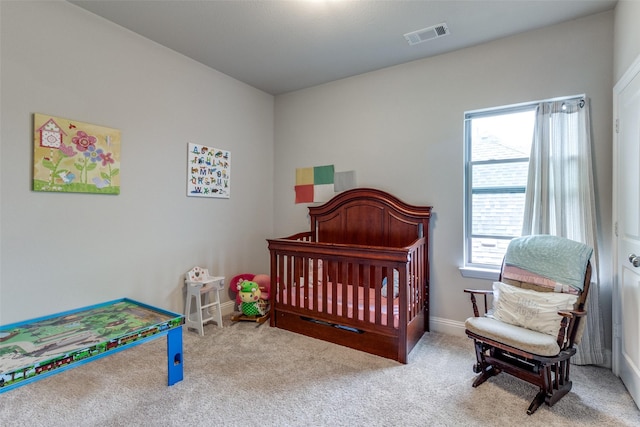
x,y
401,130
627,36
62,251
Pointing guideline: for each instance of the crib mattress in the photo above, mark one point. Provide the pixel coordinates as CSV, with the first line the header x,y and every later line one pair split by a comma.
x,y
298,296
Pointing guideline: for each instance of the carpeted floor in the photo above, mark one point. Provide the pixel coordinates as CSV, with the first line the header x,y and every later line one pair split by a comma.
x,y
244,375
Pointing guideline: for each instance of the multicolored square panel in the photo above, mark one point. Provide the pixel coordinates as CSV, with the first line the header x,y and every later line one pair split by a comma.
x,y
314,184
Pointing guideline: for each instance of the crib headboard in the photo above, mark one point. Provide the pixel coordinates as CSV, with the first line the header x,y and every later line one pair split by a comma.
x,y
367,216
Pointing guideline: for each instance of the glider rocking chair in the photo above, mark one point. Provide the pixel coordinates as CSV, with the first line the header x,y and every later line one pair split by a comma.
x,y
538,315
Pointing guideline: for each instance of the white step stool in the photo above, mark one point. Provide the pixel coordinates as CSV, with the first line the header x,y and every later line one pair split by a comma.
x,y
205,290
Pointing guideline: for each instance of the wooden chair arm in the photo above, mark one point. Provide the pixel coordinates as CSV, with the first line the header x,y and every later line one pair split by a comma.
x,y
569,327
473,293
572,313
479,291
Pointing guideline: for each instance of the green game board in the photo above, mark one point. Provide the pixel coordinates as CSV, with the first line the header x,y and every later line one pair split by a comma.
x,y
42,346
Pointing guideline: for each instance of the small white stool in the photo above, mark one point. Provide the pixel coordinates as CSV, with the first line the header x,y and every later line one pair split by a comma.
x,y
205,290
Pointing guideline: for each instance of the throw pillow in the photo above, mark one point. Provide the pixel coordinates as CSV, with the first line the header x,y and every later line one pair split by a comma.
x,y
529,309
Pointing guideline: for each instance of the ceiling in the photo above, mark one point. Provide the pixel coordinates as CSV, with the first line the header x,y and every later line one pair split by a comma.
x,y
280,46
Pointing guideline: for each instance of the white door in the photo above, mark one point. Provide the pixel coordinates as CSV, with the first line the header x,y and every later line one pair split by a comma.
x,y
626,199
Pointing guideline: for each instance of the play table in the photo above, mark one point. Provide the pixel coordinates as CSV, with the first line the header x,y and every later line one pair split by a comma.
x,y
40,347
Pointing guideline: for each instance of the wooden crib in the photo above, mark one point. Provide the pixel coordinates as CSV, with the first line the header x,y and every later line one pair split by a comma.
x,y
359,278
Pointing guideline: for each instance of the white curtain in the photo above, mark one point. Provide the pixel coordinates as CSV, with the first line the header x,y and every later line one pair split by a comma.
x,y
560,198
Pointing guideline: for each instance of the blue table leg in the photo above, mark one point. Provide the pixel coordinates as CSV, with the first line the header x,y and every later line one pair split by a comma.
x,y
174,355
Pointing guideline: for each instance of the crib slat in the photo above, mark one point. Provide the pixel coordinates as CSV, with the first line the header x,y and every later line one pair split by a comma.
x,y
367,291
344,273
355,280
377,284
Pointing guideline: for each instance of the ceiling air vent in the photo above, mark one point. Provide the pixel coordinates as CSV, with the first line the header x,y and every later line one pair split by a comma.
x,y
427,34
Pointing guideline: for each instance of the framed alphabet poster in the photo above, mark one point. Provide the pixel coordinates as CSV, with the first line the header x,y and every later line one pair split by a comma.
x,y
208,172
75,157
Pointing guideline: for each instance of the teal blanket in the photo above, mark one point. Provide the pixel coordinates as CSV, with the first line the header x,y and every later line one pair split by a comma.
x,y
553,257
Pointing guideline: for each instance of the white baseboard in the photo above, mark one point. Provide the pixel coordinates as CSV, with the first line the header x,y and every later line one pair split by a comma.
x,y
447,326
608,358
228,307
436,324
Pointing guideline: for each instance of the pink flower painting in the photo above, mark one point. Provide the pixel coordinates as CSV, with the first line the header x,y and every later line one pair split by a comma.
x,y
57,165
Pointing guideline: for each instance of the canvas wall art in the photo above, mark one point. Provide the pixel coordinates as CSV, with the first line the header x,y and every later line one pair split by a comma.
x,y
75,157
208,172
319,184
314,184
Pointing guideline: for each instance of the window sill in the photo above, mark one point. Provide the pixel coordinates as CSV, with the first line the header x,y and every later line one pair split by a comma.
x,y
480,273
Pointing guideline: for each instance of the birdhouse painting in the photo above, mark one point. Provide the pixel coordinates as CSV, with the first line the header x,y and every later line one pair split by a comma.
x,y
75,157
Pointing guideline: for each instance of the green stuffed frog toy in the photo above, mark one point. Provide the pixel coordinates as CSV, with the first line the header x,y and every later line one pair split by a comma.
x,y
252,304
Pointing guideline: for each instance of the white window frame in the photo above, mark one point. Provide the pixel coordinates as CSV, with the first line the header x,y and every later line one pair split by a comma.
x,y
469,269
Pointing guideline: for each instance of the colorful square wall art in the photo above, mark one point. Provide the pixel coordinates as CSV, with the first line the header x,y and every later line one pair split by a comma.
x,y
208,172
75,157
314,184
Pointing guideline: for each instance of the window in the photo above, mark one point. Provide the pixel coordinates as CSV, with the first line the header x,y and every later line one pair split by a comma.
x,y
497,147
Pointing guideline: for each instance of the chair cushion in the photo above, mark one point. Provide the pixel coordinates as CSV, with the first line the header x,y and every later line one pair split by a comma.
x,y
530,309
514,336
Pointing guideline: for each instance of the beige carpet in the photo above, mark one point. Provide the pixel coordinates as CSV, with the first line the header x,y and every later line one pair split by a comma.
x,y
243,375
